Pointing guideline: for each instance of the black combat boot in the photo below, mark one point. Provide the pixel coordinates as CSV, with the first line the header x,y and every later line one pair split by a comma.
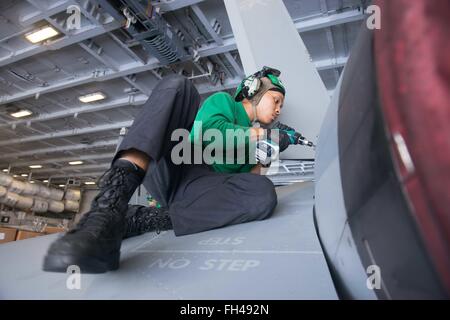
x,y
140,219
94,244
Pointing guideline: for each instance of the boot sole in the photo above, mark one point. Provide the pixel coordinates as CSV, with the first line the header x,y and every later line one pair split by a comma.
x,y
87,264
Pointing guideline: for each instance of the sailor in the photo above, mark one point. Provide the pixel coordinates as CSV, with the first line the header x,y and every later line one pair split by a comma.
x,y
193,197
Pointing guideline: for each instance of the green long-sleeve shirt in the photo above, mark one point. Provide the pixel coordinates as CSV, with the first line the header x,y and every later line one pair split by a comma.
x,y
221,112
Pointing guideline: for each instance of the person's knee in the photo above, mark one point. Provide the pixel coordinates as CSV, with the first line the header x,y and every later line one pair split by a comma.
x,y
258,183
262,194
269,200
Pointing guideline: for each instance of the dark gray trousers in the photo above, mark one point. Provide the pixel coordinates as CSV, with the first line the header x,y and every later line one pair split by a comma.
x,y
198,199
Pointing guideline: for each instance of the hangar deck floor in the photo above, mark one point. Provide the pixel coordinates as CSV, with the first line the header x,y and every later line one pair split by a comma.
x,y
279,258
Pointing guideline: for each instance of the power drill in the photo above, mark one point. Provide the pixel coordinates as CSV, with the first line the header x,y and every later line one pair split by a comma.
x,y
295,137
267,151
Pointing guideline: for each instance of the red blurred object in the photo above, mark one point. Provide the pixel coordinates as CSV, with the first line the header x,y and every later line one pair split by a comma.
x,y
412,52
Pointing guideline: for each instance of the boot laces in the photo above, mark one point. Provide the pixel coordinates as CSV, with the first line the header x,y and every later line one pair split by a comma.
x,y
111,184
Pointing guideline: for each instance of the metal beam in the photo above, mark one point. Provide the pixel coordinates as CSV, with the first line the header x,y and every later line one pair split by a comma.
x,y
67,133
71,175
130,52
174,4
19,164
217,60
90,47
43,13
84,79
86,33
135,67
97,144
330,38
88,9
237,68
136,85
331,63
72,168
110,63
201,16
203,89
305,25
117,103
130,100
229,44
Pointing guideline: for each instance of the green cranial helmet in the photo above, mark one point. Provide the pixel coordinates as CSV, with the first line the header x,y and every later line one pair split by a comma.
x,y
249,87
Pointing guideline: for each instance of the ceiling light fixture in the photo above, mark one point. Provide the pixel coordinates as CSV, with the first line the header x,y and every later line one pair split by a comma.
x,y
74,163
21,113
92,97
41,34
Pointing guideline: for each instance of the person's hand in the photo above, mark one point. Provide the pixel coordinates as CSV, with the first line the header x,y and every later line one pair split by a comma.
x,y
294,136
266,150
280,137
272,143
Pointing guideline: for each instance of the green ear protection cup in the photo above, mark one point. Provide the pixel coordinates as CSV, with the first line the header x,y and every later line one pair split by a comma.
x,y
277,82
250,85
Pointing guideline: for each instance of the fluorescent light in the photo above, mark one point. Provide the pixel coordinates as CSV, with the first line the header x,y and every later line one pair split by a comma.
x,y
41,34
24,175
15,176
45,181
21,113
31,181
92,97
62,185
36,166
89,182
5,170
74,163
